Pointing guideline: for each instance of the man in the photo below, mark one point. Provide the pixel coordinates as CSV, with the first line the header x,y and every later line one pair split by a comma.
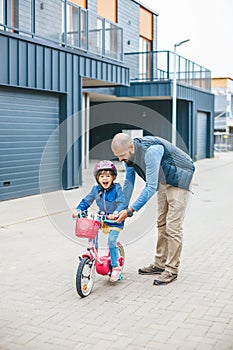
x,y
168,171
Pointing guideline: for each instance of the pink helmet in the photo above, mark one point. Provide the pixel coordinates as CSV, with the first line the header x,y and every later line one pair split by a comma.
x,y
104,165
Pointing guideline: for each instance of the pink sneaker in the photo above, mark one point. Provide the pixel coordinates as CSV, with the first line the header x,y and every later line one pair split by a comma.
x,y
116,271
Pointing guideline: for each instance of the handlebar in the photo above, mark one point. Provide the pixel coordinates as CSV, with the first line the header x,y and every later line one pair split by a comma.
x,y
98,217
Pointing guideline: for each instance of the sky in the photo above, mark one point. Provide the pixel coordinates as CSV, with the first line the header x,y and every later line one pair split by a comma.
x,y
207,23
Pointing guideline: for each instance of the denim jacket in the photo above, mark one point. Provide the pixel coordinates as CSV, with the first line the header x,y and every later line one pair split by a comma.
x,y
109,201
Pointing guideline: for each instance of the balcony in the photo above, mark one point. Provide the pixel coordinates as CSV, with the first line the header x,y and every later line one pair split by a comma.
x,y
68,25
159,66
63,23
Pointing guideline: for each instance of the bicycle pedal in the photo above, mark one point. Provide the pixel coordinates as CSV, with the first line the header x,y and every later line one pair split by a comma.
x,y
120,277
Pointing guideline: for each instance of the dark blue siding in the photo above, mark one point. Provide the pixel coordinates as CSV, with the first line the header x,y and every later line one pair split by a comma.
x,y
32,67
26,63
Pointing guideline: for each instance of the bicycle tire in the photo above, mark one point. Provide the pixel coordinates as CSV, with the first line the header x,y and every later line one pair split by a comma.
x,y
85,277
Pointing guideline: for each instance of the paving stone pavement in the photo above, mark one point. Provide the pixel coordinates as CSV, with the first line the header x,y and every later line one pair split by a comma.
x,y
39,306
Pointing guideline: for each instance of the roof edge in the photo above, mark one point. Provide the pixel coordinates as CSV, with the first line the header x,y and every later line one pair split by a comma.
x,y
145,6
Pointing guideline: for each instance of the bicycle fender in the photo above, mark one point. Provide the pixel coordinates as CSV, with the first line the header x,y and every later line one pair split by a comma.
x,y
86,255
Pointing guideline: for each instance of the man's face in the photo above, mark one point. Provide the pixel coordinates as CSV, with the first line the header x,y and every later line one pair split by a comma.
x,y
124,155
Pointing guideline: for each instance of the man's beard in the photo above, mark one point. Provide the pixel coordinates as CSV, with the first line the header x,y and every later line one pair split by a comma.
x,y
130,161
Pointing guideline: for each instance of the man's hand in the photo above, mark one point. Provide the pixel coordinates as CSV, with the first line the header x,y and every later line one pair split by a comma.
x,y
122,215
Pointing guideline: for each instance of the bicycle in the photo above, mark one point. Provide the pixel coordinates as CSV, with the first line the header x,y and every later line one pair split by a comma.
x,y
90,262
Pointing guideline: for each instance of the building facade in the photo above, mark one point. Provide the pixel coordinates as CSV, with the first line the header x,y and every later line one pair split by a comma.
x,y
72,74
223,107
223,90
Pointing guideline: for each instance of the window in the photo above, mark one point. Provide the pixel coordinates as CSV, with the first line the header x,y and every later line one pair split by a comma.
x,y
18,15
72,25
15,14
99,34
145,43
112,35
76,24
144,59
112,40
83,27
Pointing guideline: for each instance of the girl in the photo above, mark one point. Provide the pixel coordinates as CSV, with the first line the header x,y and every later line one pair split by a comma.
x,y
110,200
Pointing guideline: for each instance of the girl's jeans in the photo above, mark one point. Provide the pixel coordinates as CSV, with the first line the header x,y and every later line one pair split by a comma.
x,y
113,248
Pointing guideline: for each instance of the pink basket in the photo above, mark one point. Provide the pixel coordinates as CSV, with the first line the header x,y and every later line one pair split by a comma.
x,y
86,228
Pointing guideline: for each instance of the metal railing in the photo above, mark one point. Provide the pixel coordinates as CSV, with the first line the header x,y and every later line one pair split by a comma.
x,y
65,23
159,65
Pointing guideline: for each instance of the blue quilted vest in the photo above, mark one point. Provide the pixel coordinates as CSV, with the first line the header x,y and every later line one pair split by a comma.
x,y
176,166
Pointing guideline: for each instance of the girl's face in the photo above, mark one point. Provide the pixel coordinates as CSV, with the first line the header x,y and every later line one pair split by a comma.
x,y
105,179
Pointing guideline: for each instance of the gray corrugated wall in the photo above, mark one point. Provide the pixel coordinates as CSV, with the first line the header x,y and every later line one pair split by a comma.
x,y
23,20
128,18
198,106
48,19
202,101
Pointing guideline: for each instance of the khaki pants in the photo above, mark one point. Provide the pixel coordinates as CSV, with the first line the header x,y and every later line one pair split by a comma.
x,y
172,203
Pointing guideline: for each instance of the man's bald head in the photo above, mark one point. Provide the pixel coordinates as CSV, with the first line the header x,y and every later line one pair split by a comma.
x,y
121,141
122,146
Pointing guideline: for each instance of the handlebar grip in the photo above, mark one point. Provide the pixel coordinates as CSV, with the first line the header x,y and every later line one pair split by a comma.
x,y
107,221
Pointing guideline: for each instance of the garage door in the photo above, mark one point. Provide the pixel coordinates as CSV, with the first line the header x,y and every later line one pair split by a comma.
x,y
201,135
27,120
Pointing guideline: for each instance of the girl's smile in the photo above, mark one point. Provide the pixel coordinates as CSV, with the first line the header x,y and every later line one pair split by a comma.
x,y
105,179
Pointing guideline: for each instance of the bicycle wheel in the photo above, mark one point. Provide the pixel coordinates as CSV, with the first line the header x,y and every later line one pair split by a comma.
x,y
121,253
85,277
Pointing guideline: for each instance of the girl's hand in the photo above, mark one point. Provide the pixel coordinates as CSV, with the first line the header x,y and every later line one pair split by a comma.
x,y
75,214
112,216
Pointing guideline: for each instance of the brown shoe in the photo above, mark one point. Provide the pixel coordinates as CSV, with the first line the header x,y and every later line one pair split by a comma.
x,y
165,278
150,270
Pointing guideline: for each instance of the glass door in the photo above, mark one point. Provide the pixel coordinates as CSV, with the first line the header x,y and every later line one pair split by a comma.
x,y
144,59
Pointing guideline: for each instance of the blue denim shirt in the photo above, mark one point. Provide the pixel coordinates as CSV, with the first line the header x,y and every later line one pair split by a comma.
x,y
111,201
153,158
